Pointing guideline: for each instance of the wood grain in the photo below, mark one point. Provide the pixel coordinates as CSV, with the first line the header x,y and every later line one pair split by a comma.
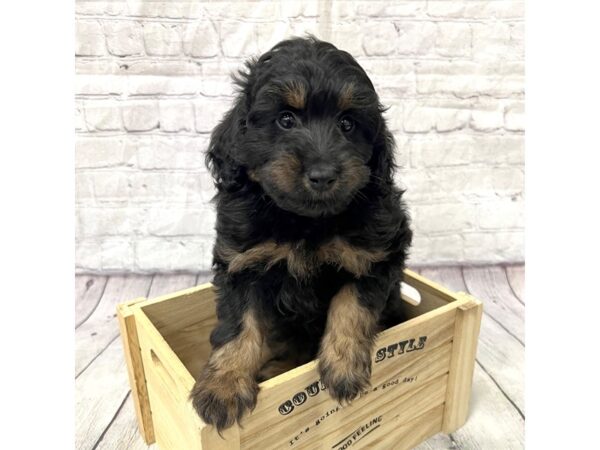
x,y
516,280
168,283
88,291
490,285
499,353
99,392
102,327
123,433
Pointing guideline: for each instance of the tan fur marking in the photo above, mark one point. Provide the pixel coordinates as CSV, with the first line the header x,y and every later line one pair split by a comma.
x,y
301,262
345,99
345,352
284,172
295,95
355,260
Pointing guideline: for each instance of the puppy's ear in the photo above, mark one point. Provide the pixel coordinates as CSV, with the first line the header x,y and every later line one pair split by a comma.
x,y
224,141
382,161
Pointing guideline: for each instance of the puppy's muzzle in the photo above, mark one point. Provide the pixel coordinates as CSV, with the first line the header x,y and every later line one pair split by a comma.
x,y
322,177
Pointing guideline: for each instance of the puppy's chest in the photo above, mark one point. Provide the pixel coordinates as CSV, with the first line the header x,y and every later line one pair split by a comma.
x,y
304,260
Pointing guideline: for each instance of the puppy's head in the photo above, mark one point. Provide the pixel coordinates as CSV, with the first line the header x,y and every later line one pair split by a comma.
x,y
307,128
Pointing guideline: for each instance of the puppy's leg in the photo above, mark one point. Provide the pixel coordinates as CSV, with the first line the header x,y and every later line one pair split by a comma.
x,y
345,353
227,386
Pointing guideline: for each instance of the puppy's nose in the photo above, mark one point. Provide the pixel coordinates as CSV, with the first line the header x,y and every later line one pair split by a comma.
x,y
321,177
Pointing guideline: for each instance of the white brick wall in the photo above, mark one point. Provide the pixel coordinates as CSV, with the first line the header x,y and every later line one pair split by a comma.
x,y
153,80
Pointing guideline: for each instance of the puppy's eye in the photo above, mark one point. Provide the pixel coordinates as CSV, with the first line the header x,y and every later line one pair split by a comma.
x,y
286,120
346,124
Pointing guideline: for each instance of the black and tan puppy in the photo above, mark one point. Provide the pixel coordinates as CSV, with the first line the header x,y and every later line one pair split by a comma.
x,y
311,231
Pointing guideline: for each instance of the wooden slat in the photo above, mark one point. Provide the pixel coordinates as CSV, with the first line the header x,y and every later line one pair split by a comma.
x,y
489,284
493,422
123,432
97,332
404,436
429,366
168,283
516,279
135,368
499,353
99,392
464,348
88,291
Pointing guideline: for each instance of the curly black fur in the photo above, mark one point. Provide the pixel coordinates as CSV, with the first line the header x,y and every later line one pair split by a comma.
x,y
262,171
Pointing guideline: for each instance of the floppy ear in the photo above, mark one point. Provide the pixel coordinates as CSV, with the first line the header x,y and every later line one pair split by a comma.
x,y
382,161
224,139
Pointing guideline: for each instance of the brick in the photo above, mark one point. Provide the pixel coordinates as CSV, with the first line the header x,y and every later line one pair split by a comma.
x,y
432,250
492,42
171,152
107,185
347,36
487,116
238,39
100,84
217,86
461,183
79,117
444,218
176,116
162,85
502,214
270,34
102,152
494,247
422,118
84,188
201,40
467,79
390,9
307,8
97,8
107,221
87,255
193,221
441,151
255,10
379,38
89,38
416,38
123,38
514,117
453,39
472,9
153,254
162,39
140,116
209,112
308,26
102,115
169,10
116,253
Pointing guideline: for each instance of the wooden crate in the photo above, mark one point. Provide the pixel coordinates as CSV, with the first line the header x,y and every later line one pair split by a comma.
x,y
421,380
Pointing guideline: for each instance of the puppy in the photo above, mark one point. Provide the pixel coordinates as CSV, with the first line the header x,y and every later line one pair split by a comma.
x,y
312,234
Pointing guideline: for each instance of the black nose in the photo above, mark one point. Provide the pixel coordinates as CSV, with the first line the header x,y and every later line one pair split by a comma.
x,y
322,177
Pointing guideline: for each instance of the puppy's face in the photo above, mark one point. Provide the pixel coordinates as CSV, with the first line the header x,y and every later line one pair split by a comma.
x,y
309,133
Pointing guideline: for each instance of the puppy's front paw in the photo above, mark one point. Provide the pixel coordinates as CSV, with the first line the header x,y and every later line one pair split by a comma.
x,y
222,399
345,376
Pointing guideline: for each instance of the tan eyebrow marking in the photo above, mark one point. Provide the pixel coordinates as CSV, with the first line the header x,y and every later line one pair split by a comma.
x,y
346,96
294,93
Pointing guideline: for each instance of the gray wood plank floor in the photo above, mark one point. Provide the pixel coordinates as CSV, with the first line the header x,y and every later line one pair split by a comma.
x,y
105,417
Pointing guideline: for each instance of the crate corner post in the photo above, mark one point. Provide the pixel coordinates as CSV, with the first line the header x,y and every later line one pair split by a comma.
x,y
462,363
135,368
